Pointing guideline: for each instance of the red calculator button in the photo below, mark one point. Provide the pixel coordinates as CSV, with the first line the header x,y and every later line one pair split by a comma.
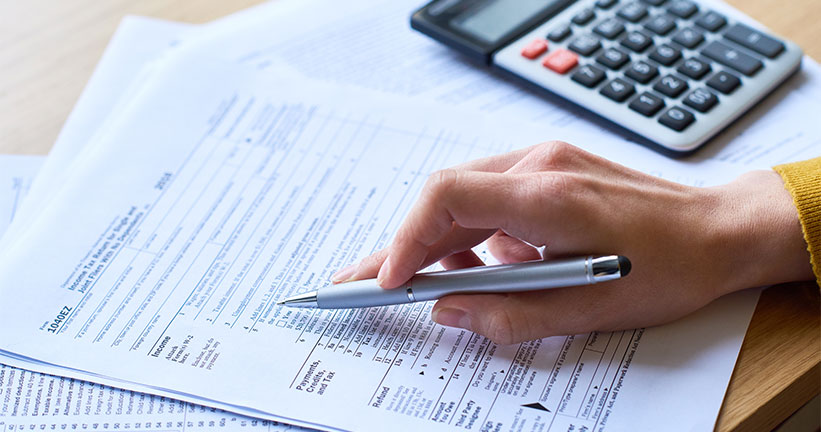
x,y
534,49
561,61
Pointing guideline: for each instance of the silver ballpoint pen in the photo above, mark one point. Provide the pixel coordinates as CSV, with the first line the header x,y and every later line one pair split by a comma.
x,y
528,276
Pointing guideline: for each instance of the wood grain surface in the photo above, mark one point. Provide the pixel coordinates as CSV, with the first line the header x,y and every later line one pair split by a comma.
x,y
48,50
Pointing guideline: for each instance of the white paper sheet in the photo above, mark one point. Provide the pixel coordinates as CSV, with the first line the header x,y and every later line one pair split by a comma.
x,y
137,41
16,175
370,44
218,203
35,401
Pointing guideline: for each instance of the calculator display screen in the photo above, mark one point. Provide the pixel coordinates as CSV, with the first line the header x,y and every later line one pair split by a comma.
x,y
490,20
478,28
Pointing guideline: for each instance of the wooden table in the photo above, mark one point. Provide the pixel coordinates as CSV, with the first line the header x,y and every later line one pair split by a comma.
x,y
48,50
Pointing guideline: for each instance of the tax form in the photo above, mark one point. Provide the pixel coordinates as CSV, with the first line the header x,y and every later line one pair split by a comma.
x,y
369,44
216,204
31,400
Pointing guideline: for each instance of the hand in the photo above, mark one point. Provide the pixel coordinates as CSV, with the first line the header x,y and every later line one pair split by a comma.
x,y
688,245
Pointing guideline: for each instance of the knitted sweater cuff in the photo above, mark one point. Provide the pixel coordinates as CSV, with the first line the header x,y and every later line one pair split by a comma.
x,y
803,181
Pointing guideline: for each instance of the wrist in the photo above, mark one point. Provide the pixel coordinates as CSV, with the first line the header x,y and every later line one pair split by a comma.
x,y
759,233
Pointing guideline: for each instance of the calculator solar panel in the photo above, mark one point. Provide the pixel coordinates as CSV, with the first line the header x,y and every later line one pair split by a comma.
x,y
674,72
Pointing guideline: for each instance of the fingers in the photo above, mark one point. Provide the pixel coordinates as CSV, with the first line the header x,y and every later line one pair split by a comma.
x,y
509,249
458,240
496,163
486,194
462,260
472,200
369,266
518,317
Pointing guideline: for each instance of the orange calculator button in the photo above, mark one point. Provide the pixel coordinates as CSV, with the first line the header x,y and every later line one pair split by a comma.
x,y
561,61
534,49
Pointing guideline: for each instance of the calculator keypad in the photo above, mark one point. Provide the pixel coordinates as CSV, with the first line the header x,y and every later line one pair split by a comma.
x,y
637,41
633,12
585,45
701,99
671,61
665,54
661,24
618,90
613,58
647,104
677,118
689,38
754,40
724,82
589,76
610,28
670,86
561,61
732,57
694,68
642,72
711,21
560,33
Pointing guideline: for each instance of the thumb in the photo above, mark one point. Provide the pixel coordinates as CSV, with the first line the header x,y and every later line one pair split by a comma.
x,y
502,318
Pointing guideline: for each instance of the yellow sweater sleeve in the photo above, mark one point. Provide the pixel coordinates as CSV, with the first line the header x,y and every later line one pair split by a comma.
x,y
803,180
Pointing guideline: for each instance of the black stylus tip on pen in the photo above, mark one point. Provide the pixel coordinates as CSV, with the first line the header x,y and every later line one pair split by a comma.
x,y
624,266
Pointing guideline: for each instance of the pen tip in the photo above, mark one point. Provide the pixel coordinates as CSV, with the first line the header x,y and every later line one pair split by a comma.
x,y
281,302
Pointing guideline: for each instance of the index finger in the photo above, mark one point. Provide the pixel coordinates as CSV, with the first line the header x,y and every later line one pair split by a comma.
x,y
473,200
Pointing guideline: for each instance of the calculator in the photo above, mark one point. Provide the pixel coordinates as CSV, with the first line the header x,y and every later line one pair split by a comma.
x,y
672,73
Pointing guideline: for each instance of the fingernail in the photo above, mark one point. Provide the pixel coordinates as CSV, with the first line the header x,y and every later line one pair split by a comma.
x,y
451,318
344,275
383,271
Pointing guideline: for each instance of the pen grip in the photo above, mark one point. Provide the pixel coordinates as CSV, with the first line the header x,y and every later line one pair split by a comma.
x,y
530,276
358,294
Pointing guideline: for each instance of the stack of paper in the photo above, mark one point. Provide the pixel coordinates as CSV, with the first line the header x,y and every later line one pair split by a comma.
x,y
248,159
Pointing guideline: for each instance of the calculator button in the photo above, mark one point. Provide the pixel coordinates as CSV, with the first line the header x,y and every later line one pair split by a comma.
x,y
637,41
613,58
618,90
754,40
711,21
642,72
654,2
688,38
701,100
589,76
585,16
585,45
671,86
724,82
665,54
561,61
677,118
694,68
606,4
609,28
682,8
661,24
728,56
647,104
560,34
633,12
534,49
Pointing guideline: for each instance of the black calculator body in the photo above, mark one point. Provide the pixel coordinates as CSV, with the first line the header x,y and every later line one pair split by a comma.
x,y
673,72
